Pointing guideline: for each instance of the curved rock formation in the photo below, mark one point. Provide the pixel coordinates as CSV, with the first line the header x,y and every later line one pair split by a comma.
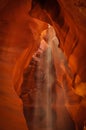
x,y
21,23
18,41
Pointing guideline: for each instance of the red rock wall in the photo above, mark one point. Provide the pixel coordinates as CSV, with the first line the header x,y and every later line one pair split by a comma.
x,y
68,19
19,39
74,39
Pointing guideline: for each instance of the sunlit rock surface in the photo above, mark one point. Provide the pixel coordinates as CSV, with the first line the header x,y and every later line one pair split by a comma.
x,y
42,95
21,23
18,41
69,20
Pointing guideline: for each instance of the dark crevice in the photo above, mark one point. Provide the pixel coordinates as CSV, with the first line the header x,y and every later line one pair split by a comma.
x,y
51,7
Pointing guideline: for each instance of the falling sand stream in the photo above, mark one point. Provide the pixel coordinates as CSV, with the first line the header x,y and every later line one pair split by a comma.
x,y
42,93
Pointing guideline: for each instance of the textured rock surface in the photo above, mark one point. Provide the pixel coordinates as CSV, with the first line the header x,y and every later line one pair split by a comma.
x,y
43,98
21,22
68,18
70,27
18,41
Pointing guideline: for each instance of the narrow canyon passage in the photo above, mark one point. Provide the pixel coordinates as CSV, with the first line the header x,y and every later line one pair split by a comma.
x,y
42,94
42,65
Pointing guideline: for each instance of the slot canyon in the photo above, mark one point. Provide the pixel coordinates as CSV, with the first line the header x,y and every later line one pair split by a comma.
x,y
42,65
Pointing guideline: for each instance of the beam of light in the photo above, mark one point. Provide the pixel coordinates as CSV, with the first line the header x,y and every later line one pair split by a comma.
x,y
48,111
44,93
51,53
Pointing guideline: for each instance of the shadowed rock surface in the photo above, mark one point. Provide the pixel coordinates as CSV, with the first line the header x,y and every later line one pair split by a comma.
x,y
21,23
40,94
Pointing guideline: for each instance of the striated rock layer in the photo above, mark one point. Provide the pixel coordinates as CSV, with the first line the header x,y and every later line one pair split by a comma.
x,y
18,41
21,23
